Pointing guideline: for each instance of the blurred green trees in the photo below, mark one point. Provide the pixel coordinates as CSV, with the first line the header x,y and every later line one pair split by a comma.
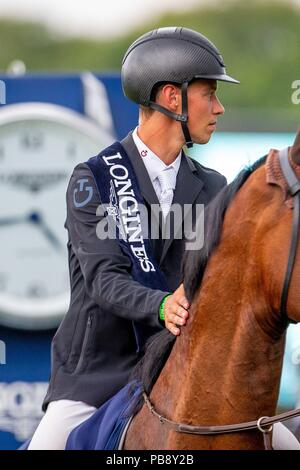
x,y
260,43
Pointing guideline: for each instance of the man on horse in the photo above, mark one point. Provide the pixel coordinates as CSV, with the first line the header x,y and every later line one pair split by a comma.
x,y
127,287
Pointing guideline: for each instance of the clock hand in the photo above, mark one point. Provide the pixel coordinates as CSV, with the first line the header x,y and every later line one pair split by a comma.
x,y
11,220
36,218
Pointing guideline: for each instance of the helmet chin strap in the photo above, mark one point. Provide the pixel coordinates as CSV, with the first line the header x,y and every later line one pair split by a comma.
x,y
182,118
184,126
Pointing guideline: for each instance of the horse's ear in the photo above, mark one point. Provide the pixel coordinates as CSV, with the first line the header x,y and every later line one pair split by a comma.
x,y
295,150
275,176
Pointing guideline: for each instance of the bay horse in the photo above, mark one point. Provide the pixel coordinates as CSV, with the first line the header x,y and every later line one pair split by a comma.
x,y
225,366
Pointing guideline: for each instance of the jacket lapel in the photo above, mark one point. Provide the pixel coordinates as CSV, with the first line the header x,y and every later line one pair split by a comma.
x,y
147,190
188,186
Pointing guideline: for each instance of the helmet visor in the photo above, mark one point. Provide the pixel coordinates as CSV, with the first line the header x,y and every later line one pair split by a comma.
x,y
221,77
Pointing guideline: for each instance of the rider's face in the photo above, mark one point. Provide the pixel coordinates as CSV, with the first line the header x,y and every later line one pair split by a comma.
x,y
203,110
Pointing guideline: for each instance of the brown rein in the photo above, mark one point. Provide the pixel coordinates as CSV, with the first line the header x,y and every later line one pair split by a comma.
x,y
264,424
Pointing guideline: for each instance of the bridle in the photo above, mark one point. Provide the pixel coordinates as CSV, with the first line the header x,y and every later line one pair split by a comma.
x,y
265,423
294,190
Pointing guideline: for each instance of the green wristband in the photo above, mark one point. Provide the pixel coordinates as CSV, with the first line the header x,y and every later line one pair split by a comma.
x,y
161,308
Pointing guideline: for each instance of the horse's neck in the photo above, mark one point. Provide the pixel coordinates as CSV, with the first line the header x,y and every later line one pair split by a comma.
x,y
225,367
223,363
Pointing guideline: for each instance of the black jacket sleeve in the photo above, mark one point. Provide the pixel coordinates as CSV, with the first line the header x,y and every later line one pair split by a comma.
x,y
105,268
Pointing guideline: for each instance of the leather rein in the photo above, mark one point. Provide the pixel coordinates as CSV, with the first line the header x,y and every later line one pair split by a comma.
x,y
265,423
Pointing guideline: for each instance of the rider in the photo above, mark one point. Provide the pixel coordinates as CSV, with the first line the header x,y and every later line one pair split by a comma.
x,y
172,74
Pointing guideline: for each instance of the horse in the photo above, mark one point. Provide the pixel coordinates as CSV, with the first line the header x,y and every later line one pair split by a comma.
x,y
225,367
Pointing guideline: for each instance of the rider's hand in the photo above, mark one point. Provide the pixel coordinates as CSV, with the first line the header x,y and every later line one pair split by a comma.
x,y
176,310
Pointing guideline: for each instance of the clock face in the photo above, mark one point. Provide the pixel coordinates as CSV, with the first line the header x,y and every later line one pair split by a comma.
x,y
39,146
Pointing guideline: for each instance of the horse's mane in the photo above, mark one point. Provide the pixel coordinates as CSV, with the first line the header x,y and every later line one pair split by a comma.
x,y
194,263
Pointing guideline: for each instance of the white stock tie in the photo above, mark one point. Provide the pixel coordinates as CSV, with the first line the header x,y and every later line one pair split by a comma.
x,y
167,179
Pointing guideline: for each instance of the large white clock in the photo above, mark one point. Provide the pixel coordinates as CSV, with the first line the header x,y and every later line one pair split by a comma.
x,y
39,146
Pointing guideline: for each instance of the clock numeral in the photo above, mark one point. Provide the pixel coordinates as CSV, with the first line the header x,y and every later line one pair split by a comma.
x,y
32,141
36,291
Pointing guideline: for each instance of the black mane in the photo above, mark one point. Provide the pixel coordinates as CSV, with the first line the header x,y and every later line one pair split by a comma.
x,y
193,267
194,263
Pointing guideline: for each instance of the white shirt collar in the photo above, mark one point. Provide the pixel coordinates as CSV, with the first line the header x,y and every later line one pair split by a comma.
x,y
153,163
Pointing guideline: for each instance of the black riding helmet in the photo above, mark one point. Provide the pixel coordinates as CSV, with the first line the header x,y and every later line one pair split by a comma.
x,y
170,55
